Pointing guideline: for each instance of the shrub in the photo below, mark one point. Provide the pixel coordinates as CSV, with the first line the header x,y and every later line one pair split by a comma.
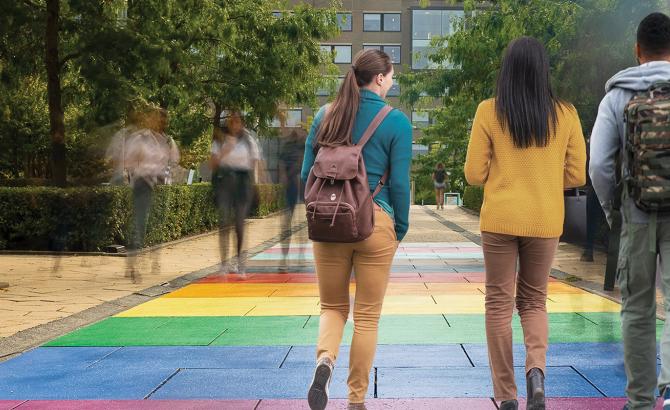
x,y
88,219
473,198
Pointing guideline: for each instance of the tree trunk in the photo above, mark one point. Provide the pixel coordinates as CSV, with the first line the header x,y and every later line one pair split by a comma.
x,y
56,118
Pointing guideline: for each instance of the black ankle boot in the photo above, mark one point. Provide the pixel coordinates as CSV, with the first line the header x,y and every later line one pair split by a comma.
x,y
535,387
509,405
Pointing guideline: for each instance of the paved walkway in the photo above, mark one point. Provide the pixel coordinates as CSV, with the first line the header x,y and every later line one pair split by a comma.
x,y
233,343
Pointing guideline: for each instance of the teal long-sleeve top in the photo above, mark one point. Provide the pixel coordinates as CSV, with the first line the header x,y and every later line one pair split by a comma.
x,y
389,148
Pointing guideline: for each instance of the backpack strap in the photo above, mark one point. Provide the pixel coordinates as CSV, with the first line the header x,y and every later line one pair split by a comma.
x,y
376,121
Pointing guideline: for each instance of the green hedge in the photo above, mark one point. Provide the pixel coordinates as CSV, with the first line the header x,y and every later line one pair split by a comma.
x,y
88,219
473,198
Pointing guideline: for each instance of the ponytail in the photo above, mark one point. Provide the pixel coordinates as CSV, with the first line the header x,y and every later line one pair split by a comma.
x,y
340,117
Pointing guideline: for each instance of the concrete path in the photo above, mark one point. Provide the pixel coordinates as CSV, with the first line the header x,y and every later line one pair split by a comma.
x,y
248,343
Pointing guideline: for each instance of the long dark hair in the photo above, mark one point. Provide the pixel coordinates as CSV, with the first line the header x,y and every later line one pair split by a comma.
x,y
525,102
340,117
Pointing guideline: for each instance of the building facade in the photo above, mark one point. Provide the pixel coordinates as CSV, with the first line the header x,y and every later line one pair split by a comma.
x,y
401,28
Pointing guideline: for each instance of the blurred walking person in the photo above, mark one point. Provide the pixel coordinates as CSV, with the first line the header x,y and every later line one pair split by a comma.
x,y
235,155
149,155
359,115
526,147
290,158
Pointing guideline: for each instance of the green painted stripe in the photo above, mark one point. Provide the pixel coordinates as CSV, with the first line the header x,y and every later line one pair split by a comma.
x,y
298,330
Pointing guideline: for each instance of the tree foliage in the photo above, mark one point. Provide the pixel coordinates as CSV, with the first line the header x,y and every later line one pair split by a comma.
x,y
587,40
191,57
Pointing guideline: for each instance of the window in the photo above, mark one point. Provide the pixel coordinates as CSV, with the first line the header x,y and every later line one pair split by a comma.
x,y
420,119
372,22
427,25
391,22
342,53
293,118
381,22
326,90
394,91
344,21
277,14
392,50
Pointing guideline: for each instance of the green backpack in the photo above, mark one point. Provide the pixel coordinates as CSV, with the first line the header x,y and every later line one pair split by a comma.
x,y
647,129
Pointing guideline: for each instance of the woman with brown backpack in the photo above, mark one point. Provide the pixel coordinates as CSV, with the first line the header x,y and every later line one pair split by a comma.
x,y
356,168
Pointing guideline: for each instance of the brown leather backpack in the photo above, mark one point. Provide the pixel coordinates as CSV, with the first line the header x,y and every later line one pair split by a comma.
x,y
337,194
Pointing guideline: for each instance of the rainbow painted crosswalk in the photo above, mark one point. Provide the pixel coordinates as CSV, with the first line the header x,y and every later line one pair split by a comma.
x,y
233,343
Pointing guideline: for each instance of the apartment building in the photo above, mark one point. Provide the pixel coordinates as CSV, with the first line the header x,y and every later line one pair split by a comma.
x,y
401,28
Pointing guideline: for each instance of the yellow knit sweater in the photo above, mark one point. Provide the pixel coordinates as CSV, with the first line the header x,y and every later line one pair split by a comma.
x,y
523,187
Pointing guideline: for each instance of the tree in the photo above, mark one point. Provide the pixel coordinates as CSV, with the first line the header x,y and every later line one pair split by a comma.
x,y
182,55
581,59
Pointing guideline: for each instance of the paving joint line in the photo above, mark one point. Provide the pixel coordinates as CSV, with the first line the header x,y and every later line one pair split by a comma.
x,y
286,357
592,321
589,381
445,319
467,355
104,357
36,336
20,404
376,390
218,336
162,384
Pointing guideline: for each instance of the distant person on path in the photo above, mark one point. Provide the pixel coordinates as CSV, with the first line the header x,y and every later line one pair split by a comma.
x,y
290,158
526,147
149,155
440,183
234,157
639,96
342,123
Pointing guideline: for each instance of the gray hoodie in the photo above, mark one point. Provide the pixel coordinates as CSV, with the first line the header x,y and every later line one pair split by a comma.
x,y
607,138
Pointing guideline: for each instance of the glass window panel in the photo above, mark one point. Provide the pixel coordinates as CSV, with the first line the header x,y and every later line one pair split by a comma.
x,y
326,49
420,51
342,54
449,18
394,53
276,14
344,21
369,47
372,22
391,22
426,24
293,119
394,91
420,119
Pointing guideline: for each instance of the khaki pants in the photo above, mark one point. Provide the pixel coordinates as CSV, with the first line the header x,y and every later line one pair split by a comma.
x,y
371,260
535,257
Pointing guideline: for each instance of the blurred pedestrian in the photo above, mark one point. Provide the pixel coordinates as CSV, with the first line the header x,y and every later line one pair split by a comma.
x,y
149,154
235,155
290,160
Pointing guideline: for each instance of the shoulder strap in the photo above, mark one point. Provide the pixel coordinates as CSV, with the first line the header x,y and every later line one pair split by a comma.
x,y
374,125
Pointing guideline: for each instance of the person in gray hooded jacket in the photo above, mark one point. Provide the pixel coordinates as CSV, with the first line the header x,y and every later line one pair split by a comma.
x,y
637,263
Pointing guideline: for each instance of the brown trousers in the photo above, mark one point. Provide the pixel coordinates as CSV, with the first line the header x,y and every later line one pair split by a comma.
x,y
535,256
371,260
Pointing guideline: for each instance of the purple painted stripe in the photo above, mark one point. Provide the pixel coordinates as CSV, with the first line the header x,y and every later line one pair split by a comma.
x,y
9,404
386,404
139,404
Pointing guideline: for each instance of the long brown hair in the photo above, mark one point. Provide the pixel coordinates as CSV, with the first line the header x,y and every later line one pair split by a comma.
x,y
340,117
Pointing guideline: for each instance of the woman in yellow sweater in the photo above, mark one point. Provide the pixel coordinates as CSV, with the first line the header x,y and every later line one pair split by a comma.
x,y
526,147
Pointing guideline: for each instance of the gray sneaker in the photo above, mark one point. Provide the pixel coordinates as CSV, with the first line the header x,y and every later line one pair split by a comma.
x,y
356,406
317,397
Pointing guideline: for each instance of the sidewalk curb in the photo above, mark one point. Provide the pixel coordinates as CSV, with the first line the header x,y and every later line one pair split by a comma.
x,y
28,339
